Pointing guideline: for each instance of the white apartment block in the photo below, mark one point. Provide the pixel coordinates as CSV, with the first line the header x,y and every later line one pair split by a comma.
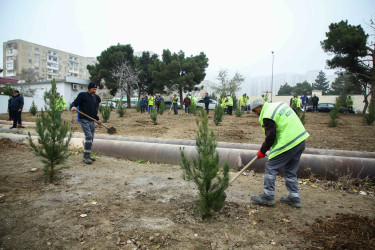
x,y
48,63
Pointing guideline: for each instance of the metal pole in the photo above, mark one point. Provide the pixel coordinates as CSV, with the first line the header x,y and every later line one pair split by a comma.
x,y
272,76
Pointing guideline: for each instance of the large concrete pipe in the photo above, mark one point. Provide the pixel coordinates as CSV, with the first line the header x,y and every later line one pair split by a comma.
x,y
329,167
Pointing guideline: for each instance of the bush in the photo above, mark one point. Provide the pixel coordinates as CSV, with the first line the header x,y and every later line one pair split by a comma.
x,y
193,108
121,110
33,109
106,112
302,117
238,112
370,117
161,108
54,135
334,114
205,172
154,117
218,115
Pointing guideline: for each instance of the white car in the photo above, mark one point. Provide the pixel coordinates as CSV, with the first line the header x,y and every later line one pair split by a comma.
x,y
211,105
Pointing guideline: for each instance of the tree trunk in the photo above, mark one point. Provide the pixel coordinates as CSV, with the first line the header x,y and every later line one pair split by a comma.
x,y
128,95
181,100
366,103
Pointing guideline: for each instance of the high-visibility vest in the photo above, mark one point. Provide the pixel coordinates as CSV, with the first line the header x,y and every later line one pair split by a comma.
x,y
264,98
243,101
296,102
223,104
150,100
289,129
194,100
229,101
175,99
349,102
60,104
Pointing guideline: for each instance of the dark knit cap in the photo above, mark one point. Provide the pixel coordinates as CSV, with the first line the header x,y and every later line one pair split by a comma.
x,y
92,85
16,91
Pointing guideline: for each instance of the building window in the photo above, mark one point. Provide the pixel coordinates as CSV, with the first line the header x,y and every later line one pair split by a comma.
x,y
36,49
30,48
30,54
30,61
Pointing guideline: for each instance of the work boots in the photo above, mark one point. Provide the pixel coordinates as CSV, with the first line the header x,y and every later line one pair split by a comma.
x,y
290,202
262,200
87,160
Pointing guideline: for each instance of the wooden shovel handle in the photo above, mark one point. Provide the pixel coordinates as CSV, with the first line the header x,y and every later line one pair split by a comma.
x,y
246,167
91,118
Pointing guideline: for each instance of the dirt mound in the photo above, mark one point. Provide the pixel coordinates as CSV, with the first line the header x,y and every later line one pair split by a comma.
x,y
7,144
345,231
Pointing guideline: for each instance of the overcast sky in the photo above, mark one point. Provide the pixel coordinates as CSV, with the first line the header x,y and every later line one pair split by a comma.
x,y
235,35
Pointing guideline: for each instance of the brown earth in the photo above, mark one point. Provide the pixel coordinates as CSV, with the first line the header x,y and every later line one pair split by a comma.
x,y
140,204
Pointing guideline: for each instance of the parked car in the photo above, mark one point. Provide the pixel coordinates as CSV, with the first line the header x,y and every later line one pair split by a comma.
x,y
322,107
211,105
109,103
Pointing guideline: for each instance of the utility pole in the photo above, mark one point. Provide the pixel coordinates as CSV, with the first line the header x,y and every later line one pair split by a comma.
x,y
272,76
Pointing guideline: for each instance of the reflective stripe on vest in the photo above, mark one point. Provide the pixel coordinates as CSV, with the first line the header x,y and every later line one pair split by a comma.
x,y
289,129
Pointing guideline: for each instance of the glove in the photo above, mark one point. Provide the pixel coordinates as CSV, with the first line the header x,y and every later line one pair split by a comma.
x,y
260,155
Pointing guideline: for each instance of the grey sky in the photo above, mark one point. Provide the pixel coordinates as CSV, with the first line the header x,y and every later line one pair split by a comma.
x,y
235,35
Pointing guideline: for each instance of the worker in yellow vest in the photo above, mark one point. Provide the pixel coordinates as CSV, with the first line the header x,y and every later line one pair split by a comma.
x,y
243,101
60,104
285,138
150,103
223,104
229,103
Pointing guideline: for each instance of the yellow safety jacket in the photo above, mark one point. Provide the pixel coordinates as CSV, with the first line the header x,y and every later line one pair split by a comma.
x,y
150,100
289,130
223,104
229,101
60,104
243,101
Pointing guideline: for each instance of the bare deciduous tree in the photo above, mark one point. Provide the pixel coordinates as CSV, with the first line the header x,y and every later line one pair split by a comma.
x,y
127,79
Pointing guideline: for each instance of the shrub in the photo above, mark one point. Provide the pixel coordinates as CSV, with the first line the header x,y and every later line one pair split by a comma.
x,y
218,115
238,112
193,108
106,112
33,109
370,117
334,114
154,116
54,135
121,109
205,172
161,108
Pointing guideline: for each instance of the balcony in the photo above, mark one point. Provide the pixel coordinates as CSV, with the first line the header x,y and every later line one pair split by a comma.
x,y
9,65
52,66
11,52
74,70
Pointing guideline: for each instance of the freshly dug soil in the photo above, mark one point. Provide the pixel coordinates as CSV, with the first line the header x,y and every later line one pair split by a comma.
x,y
120,204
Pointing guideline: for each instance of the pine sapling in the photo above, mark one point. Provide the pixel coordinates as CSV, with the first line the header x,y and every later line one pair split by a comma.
x,y
210,178
138,108
370,117
334,114
161,108
121,109
33,109
238,112
193,108
106,112
218,115
54,135
154,117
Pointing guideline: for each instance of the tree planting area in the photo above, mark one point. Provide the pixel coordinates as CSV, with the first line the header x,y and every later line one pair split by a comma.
x,y
115,203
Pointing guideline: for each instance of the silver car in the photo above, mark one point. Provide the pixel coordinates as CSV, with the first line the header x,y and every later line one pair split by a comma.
x,y
211,105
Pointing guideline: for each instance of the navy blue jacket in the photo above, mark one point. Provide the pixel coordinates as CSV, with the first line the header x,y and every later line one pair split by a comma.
x,y
88,104
206,99
16,103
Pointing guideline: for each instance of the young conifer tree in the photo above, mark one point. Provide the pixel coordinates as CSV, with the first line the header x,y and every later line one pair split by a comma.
x,y
54,135
33,109
218,115
211,179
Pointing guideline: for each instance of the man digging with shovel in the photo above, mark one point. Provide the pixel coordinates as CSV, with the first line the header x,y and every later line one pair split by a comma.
x,y
88,103
286,135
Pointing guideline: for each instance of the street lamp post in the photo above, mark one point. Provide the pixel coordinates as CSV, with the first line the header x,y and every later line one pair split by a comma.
x,y
272,76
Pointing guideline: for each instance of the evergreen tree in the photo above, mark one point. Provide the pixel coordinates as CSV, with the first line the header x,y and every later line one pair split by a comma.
x,y
106,112
121,109
285,90
321,82
334,114
138,108
193,108
205,172
161,108
218,115
154,117
238,112
33,109
54,135
370,117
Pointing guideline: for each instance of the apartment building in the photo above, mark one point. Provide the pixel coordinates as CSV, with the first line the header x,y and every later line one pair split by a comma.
x,y
47,63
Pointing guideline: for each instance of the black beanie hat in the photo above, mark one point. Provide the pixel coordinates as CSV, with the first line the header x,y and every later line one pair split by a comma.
x,y
92,85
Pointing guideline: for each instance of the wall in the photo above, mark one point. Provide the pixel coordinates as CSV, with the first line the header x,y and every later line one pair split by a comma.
x,y
39,102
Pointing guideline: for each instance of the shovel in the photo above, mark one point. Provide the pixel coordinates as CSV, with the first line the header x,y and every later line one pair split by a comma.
x,y
110,130
224,196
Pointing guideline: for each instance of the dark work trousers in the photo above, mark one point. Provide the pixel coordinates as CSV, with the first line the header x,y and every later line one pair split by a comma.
x,y
88,128
230,108
315,107
16,118
206,106
175,108
287,162
10,115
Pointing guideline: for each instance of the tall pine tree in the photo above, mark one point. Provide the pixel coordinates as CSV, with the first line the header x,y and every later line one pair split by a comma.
x,y
321,82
